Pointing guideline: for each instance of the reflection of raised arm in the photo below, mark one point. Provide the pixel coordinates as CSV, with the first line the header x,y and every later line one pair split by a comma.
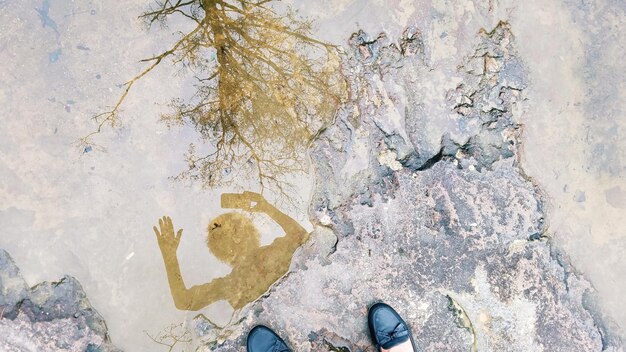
x,y
289,225
196,297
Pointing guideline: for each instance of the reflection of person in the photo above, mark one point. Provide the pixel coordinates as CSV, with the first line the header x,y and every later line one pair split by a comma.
x,y
233,239
389,333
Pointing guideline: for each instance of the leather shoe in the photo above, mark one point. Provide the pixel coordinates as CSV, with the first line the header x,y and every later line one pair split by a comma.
x,y
263,339
387,328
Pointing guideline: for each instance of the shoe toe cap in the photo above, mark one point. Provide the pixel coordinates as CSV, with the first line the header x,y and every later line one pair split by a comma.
x,y
263,339
386,326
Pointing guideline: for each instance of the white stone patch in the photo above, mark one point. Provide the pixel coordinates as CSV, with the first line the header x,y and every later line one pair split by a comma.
x,y
325,220
391,120
388,158
404,10
358,154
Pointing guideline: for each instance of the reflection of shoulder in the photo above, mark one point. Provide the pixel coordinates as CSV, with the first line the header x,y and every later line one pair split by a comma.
x,y
297,233
290,241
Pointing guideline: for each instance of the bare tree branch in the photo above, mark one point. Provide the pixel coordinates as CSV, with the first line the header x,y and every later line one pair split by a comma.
x,y
264,89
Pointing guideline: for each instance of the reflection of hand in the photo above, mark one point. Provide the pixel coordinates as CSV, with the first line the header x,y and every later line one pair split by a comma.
x,y
168,241
261,205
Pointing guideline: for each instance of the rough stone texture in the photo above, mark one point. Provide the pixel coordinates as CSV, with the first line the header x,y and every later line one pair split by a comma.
x,y
51,316
430,213
12,287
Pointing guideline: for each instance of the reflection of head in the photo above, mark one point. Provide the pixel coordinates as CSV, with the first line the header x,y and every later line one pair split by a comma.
x,y
232,236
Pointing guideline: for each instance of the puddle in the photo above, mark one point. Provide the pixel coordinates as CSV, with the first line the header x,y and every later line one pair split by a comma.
x,y
262,89
235,241
90,212
574,136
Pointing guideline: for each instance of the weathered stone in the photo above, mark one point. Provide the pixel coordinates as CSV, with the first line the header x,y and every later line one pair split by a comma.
x,y
450,251
13,288
51,316
455,239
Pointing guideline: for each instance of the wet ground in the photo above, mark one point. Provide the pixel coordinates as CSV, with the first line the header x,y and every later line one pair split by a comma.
x,y
575,147
90,212
87,212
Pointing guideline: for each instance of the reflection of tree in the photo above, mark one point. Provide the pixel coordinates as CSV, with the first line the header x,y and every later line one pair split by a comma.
x,y
264,86
172,337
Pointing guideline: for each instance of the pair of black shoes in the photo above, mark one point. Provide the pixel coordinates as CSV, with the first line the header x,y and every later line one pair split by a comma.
x,y
387,330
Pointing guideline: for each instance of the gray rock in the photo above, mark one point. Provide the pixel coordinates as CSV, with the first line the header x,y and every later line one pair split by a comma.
x,y
51,316
13,288
450,232
450,251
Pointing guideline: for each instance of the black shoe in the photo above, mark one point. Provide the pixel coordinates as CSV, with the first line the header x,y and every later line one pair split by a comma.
x,y
387,327
263,339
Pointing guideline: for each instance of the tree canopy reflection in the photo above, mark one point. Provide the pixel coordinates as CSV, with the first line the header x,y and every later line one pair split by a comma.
x,y
264,87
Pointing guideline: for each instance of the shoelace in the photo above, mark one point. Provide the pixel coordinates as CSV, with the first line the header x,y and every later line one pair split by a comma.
x,y
385,337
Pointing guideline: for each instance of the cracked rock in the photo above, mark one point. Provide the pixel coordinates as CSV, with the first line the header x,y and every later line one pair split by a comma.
x,y
51,316
452,235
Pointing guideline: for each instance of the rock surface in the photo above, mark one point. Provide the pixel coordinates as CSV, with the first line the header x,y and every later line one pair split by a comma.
x,y
51,316
420,203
